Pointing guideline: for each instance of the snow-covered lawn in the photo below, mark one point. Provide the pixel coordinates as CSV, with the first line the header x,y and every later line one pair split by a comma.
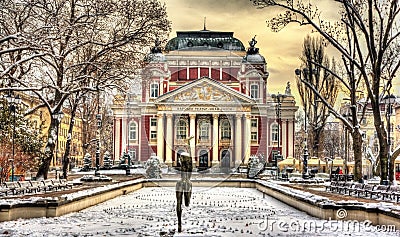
x,y
213,211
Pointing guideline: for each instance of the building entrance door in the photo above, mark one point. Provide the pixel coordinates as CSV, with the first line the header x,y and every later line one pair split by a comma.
x,y
225,161
203,160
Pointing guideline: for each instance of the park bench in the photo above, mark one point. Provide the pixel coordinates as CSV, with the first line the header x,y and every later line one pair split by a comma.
x,y
57,184
378,191
391,190
13,187
47,185
26,187
4,190
395,194
65,183
356,188
328,186
332,186
339,186
367,189
345,187
35,185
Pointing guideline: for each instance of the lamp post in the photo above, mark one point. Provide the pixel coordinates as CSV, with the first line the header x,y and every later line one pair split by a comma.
x,y
97,171
298,73
57,116
13,101
278,108
389,100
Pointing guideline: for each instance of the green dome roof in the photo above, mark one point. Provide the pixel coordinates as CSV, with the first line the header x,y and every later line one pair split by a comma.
x,y
204,40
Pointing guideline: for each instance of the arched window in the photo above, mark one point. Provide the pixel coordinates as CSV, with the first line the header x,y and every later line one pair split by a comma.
x,y
204,128
154,90
181,129
132,131
254,91
225,130
274,132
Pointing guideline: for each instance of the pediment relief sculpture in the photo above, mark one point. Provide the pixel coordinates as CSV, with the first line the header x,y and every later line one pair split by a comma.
x,y
203,93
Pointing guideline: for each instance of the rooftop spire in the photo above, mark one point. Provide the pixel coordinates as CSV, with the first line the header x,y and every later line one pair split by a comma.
x,y
205,20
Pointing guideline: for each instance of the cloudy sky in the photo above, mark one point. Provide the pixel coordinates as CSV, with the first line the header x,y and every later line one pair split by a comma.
x,y
281,50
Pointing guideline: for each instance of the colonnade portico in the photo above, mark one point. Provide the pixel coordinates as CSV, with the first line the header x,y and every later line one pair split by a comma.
x,y
237,144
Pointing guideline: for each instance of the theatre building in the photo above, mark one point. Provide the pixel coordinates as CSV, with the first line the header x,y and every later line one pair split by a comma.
x,y
207,95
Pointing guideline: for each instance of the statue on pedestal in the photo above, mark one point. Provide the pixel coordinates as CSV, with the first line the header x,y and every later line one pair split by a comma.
x,y
184,186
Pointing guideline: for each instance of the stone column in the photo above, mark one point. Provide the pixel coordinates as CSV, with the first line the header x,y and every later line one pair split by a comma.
x,y
117,135
247,138
168,151
124,131
139,132
160,136
238,140
192,130
215,140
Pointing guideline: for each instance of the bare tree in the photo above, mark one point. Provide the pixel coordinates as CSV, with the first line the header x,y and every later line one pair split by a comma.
x,y
88,46
323,82
19,43
367,36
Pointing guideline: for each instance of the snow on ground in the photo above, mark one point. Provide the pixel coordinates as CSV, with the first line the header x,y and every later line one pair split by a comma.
x,y
213,211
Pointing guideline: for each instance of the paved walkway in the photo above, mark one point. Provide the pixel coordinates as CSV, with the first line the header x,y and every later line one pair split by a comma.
x,y
213,212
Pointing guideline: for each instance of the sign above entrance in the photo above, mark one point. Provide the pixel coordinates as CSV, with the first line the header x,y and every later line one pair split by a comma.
x,y
203,109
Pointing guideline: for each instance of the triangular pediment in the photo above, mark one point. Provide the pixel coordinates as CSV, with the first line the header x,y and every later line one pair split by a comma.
x,y
204,90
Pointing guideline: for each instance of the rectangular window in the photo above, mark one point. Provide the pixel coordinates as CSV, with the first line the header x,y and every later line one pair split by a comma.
x,y
204,130
132,131
254,130
275,133
153,122
132,154
153,90
153,128
254,91
254,123
153,135
364,135
181,130
254,136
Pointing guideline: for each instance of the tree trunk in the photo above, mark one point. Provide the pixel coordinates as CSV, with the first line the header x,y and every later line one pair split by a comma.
x,y
383,151
66,155
391,169
357,149
49,150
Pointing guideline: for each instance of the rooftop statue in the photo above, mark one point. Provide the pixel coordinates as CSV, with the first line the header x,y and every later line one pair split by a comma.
x,y
288,91
252,50
253,42
157,47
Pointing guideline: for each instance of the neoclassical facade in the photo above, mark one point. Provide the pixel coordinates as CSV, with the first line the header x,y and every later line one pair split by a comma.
x,y
207,95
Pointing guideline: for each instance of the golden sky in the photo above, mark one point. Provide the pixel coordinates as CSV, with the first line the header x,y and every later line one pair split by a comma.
x,y
281,50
